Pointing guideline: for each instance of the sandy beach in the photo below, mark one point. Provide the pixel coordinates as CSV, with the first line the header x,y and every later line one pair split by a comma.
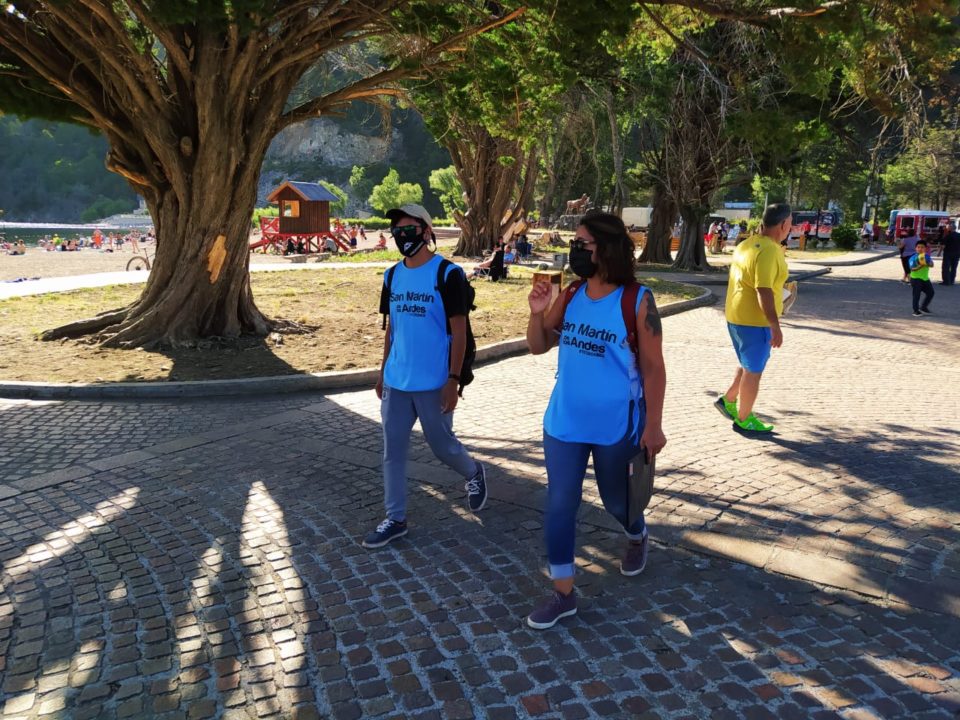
x,y
39,263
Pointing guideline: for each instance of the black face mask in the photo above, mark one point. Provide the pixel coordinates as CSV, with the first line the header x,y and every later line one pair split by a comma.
x,y
409,239
581,261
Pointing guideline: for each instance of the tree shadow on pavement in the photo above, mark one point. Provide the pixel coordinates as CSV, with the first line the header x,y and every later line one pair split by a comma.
x,y
224,574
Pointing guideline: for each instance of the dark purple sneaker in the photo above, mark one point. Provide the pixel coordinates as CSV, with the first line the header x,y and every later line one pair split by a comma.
x,y
552,609
635,558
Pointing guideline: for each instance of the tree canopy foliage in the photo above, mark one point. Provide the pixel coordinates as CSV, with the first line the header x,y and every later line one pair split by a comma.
x,y
391,193
928,171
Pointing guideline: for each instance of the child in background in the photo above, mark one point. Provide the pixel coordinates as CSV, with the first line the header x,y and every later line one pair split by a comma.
x,y
920,263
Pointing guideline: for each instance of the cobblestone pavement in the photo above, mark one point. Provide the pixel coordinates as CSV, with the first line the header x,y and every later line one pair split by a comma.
x,y
199,559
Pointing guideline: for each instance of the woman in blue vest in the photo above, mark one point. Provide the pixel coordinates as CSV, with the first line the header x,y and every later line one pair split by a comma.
x,y
607,401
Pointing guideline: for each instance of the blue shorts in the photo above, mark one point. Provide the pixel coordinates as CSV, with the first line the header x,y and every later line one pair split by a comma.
x,y
752,345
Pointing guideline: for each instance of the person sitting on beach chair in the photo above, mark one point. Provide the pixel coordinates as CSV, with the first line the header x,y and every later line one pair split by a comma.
x,y
493,266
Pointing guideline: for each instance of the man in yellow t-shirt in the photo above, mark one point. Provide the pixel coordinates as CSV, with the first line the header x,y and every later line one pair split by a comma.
x,y
754,305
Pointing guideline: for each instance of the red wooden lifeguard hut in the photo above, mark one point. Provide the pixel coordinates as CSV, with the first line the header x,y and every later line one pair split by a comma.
x,y
304,218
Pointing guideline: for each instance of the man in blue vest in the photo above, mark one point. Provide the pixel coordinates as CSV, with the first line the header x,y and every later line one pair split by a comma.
x,y
423,351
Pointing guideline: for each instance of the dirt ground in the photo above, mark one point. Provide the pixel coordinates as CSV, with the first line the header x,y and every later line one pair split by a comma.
x,y
341,305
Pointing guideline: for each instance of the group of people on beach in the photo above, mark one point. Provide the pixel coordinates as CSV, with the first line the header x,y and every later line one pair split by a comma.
x,y
17,247
607,401
110,242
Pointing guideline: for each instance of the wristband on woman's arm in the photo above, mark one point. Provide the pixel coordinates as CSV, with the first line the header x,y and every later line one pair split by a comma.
x,y
453,376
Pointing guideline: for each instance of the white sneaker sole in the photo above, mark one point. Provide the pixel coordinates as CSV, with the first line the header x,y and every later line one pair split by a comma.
x,y
544,626
634,573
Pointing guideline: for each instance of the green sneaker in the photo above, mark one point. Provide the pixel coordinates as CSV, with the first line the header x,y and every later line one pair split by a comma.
x,y
752,424
727,409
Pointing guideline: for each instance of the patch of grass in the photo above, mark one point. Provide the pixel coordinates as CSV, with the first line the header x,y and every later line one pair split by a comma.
x,y
662,268
375,256
341,305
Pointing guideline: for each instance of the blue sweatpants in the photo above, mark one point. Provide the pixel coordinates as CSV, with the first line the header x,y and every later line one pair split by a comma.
x,y
566,466
399,410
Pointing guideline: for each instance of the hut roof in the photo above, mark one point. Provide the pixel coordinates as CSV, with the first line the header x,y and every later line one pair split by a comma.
x,y
307,191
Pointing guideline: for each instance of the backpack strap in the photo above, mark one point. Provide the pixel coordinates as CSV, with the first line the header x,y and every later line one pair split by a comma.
x,y
567,296
441,279
385,310
628,307
442,273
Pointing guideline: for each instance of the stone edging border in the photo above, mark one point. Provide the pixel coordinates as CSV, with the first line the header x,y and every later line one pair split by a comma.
x,y
849,263
20,390
794,276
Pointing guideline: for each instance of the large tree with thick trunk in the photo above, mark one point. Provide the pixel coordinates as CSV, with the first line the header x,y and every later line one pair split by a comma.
x,y
490,111
739,92
189,96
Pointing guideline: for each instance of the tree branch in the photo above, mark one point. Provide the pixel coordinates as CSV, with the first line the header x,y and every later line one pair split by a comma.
x,y
730,12
165,37
380,81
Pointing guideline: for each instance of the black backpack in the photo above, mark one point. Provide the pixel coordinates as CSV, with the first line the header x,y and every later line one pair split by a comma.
x,y
470,295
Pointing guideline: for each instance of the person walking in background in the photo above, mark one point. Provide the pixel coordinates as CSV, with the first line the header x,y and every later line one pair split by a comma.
x,y
753,309
908,246
920,263
951,256
423,352
607,401
735,230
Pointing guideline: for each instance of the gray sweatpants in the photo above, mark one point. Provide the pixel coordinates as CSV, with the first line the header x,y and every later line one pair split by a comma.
x,y
399,410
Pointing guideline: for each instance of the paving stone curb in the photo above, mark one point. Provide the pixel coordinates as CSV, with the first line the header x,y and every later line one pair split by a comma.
x,y
338,380
722,281
849,263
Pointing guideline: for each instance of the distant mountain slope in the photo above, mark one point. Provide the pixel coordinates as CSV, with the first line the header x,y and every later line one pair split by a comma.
x,y
54,172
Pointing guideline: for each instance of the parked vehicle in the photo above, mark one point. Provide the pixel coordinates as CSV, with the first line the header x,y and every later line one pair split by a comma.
x,y
904,221
822,230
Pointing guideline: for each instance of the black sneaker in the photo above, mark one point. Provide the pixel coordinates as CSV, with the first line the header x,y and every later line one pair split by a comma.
x,y
917,313
387,531
925,311
477,490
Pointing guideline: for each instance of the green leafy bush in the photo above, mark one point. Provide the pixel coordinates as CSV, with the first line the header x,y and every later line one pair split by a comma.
x,y
270,211
846,237
105,207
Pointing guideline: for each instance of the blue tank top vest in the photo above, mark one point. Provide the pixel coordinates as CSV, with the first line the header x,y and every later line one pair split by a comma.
x,y
597,374
419,358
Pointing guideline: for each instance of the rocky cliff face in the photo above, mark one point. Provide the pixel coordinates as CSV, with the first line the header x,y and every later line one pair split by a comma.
x,y
325,142
322,149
